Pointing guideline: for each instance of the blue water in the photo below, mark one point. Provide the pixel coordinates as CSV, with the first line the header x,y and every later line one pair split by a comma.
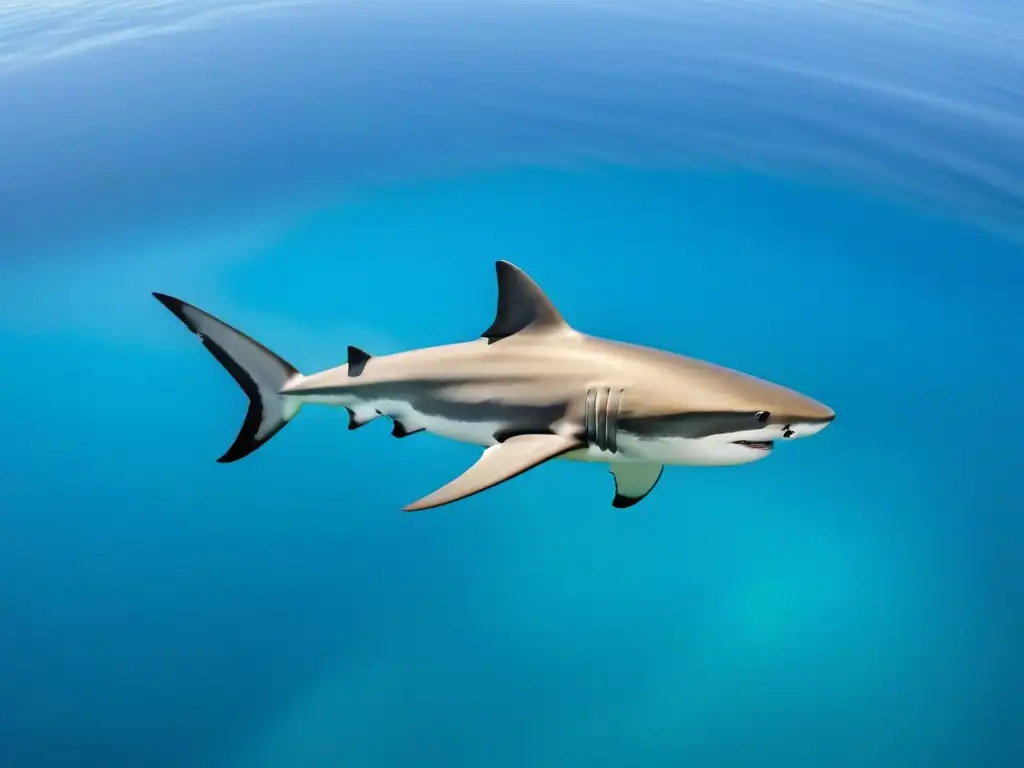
x,y
855,600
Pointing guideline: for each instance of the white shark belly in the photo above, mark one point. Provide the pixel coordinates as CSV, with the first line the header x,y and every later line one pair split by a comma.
x,y
593,454
687,452
472,432
630,448
675,451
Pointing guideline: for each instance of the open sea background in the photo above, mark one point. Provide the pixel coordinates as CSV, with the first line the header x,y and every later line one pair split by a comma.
x,y
825,194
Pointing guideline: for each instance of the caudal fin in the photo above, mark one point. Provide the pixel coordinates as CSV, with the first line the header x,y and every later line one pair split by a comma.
x,y
259,372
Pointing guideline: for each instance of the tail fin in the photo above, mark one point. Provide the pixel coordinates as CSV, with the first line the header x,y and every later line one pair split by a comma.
x,y
259,372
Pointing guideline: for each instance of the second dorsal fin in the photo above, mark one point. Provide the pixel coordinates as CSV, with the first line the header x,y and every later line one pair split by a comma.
x,y
521,304
356,360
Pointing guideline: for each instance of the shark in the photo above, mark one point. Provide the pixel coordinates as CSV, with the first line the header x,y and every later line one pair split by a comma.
x,y
529,390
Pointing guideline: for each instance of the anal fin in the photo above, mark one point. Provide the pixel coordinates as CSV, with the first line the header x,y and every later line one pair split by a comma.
x,y
633,482
496,465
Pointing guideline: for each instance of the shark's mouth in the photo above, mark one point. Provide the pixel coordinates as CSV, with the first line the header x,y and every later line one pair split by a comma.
x,y
756,446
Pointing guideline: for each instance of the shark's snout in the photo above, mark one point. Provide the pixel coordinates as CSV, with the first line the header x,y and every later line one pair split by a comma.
x,y
809,427
802,416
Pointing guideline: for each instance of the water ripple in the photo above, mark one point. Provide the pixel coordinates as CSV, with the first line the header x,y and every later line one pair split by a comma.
x,y
918,101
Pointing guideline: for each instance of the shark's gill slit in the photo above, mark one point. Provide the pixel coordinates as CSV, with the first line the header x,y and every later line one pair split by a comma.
x,y
614,400
590,417
601,418
601,409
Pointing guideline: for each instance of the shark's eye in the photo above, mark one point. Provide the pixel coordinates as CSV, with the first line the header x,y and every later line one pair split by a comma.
x,y
762,416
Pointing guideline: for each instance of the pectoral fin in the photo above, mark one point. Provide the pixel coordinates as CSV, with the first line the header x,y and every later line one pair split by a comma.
x,y
496,465
633,482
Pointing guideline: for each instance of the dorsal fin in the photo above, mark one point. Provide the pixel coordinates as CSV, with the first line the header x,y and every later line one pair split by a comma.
x,y
356,360
521,304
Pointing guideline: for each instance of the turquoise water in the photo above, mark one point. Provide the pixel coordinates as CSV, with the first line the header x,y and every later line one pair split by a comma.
x,y
854,600
845,602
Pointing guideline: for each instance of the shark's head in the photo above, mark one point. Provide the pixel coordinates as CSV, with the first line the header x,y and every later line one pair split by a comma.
x,y
743,437
728,418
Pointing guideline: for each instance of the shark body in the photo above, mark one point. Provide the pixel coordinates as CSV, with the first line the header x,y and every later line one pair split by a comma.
x,y
530,390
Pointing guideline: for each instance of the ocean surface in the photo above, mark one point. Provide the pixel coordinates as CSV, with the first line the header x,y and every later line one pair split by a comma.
x,y
825,194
